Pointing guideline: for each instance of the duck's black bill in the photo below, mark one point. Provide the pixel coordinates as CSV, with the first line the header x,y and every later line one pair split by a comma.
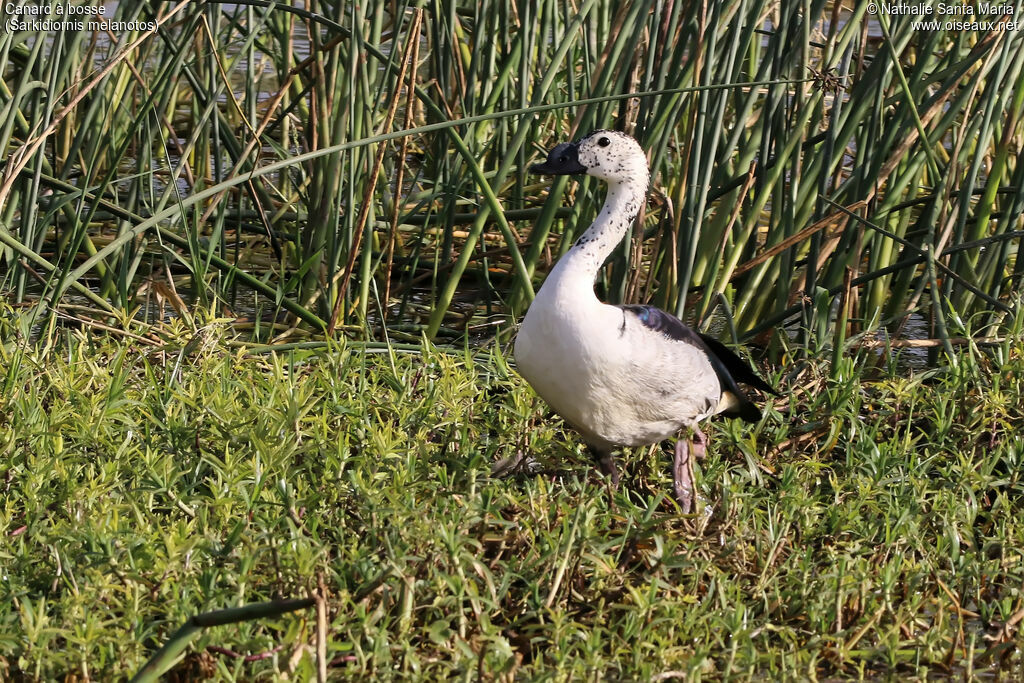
x,y
562,160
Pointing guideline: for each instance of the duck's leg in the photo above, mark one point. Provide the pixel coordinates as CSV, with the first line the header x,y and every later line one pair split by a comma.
x,y
682,467
606,463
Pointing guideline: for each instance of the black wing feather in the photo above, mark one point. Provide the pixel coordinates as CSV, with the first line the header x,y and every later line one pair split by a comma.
x,y
729,367
737,367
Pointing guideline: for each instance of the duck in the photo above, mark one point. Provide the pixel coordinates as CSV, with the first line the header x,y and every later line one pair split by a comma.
x,y
628,375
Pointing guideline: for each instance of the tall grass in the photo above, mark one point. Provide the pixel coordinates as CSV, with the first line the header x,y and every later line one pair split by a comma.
x,y
253,155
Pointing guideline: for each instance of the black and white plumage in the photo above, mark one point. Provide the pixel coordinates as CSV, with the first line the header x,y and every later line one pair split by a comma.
x,y
627,375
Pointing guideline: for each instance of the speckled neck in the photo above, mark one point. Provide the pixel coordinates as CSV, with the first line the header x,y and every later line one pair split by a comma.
x,y
593,247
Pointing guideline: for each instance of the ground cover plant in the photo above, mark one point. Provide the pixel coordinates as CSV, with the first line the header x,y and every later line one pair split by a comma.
x,y
869,526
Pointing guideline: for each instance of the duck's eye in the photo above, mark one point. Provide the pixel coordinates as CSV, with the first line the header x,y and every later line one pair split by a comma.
x,y
604,142
563,159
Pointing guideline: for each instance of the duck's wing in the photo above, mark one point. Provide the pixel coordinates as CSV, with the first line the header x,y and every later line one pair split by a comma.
x,y
729,367
737,367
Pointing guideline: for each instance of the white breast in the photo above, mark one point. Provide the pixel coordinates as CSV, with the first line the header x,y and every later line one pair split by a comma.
x,y
616,381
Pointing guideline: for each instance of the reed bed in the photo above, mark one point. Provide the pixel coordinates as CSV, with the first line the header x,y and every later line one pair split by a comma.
x,y
346,167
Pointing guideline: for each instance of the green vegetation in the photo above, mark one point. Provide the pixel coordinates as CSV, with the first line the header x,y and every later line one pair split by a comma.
x,y
272,159
869,525
342,183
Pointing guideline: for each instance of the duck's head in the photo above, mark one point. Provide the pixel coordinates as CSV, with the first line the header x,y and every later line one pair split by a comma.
x,y
606,154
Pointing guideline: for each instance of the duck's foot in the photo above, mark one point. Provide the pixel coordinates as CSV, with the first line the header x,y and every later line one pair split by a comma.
x,y
682,467
606,463
508,465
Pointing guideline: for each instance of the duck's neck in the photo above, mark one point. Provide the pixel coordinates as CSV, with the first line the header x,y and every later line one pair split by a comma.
x,y
579,267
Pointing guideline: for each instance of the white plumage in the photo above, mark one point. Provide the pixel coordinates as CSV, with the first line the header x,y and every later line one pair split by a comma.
x,y
621,375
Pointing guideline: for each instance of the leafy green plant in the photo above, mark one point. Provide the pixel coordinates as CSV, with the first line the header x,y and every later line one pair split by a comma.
x,y
869,526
